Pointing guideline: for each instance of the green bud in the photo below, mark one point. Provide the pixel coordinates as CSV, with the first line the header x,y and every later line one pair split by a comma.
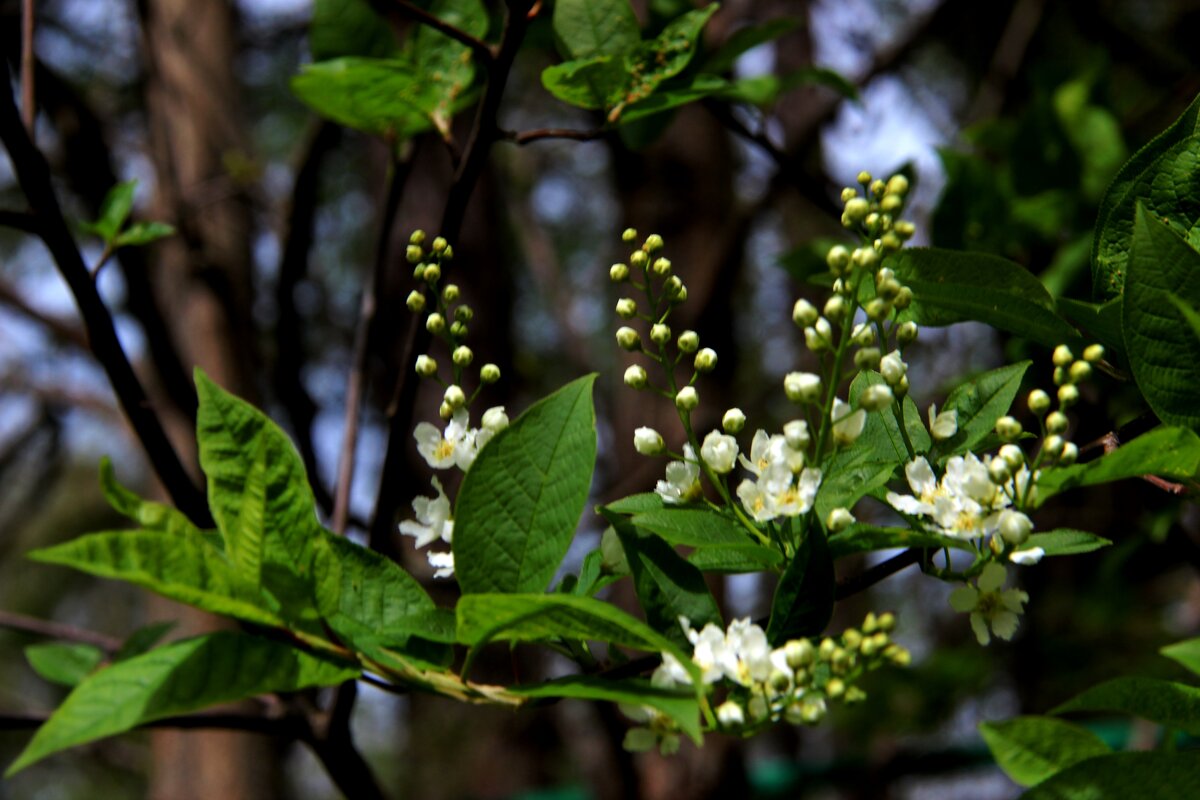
x,y
1013,456
838,520
687,399
1062,356
450,293
445,410
999,471
802,387
462,356
458,329
433,273
439,245
897,185
849,193
872,223
1057,422
448,253
454,397
636,377
876,397
653,244
903,298
661,267
835,688
638,259
888,289
864,178
419,272
887,621
825,651
628,235
804,313
890,242
674,287
906,334
877,187
1060,376
1053,446
864,257
688,342
413,254
415,301
733,421
863,335
1008,429
626,308
891,204
856,210
464,313
904,229
417,237
1039,402
706,360
835,308
489,373
1068,396
660,333
870,623
618,272
838,259
868,358
1093,353
799,653
426,366
435,323
1069,454
878,309
628,339
1080,371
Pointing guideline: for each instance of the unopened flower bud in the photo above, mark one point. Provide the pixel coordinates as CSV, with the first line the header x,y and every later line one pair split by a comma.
x,y
731,715
1062,356
1039,402
897,185
878,309
433,273
903,298
417,237
626,308
618,272
464,313
856,211
445,410
1068,395
450,292
494,419
799,653
675,289
904,229
687,399
1080,371
688,342
804,313
458,329
733,421
795,433
1013,456
462,355
1014,526
864,257
890,204
638,259
848,193
706,360
415,301
864,177
876,397
1093,353
1053,446
835,688
901,388
439,245
653,244
628,235
893,368
1057,422
835,307
489,373
802,387
863,335
818,336
426,366
636,377
906,334
838,520
888,289
890,243
1069,454
872,222
661,267
454,397
419,272
999,471
1008,429
660,333
413,254
838,259
648,442
628,339
435,323
867,358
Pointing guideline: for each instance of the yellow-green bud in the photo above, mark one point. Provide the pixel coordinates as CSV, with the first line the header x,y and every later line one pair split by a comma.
x,y
1013,456
626,308
906,334
628,235
903,298
445,410
450,293
876,397
835,308
856,210
439,245
1060,376
706,360
636,377
1062,356
1057,422
687,399
864,177
688,342
872,222
864,257
890,242
1080,371
835,688
887,621
1008,429
435,323
628,339
804,313
653,244
888,289
1039,402
618,272
638,259
878,309
733,421
1053,446
890,203
448,253
464,313
661,267
999,471
877,187
868,358
1093,353
462,355
433,273
897,185
802,387
870,623
904,229
413,254
415,301
838,520
426,366
1068,396
660,333
1069,454
675,289
863,335
417,237
419,272
489,373
849,193
799,653
838,259
454,397
458,329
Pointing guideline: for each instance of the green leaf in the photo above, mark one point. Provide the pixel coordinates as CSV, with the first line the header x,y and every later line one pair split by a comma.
x,y
1175,705
667,586
114,211
483,618
849,476
979,403
803,600
1167,452
1110,247
143,639
1066,542
1031,749
1119,776
735,558
64,663
690,527
745,39
950,286
862,538
588,28
179,678
1099,322
142,233
680,705
1164,352
449,65
1189,314
635,504
385,97
244,541
147,513
653,62
765,90
184,567
1094,133
1186,653
348,28
520,502
666,99
881,440
591,83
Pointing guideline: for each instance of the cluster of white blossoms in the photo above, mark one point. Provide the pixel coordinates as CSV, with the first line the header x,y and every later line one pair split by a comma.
x,y
794,682
783,486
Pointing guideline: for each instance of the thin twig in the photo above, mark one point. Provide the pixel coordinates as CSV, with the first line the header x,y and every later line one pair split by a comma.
x,y
539,134
57,630
33,175
869,577
20,220
28,91
61,330
404,8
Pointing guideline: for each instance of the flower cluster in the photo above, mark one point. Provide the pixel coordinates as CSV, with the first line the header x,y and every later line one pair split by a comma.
x,y
763,685
457,445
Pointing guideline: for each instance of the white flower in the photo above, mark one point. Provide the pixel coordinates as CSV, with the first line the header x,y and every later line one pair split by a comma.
x,y
768,450
682,484
443,564
648,441
802,387
839,519
494,419
988,606
847,425
798,498
719,451
1026,557
433,518
965,504
893,368
731,715
795,433
455,447
943,425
